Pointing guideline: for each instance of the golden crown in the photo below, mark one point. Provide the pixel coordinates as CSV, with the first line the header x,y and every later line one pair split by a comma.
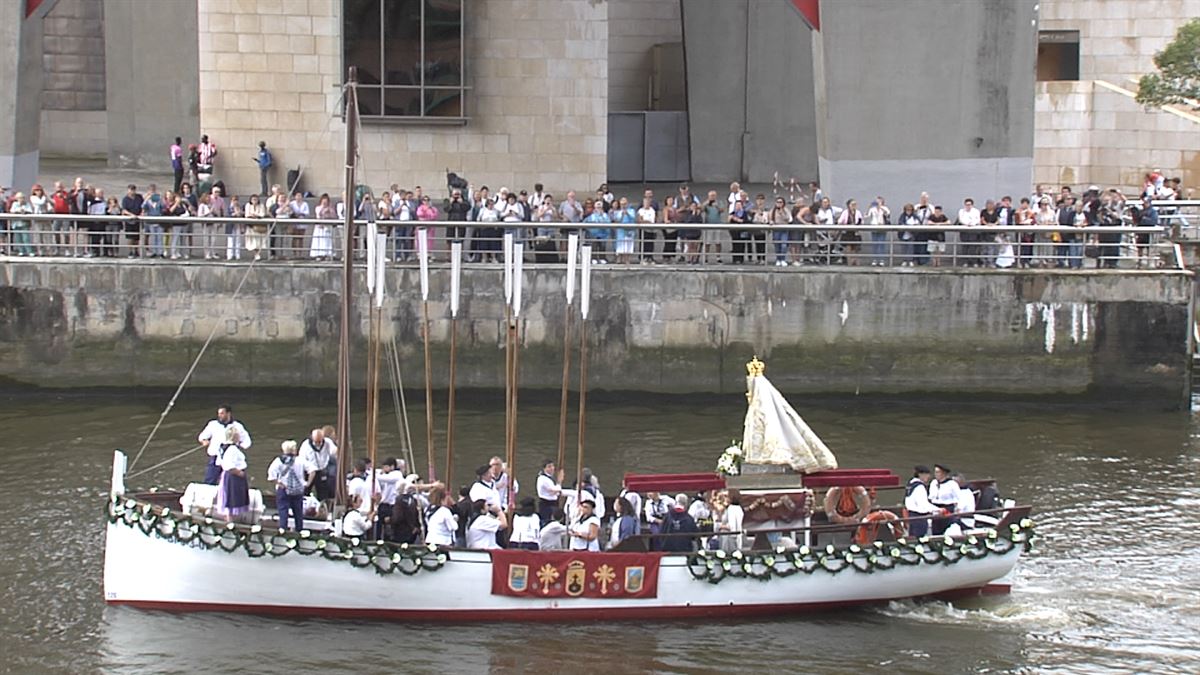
x,y
755,368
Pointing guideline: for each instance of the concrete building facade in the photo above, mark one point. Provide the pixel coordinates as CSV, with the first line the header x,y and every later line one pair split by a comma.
x,y
1089,127
759,92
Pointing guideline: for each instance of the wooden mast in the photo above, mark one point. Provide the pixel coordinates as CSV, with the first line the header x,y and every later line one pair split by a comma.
x,y
572,249
345,449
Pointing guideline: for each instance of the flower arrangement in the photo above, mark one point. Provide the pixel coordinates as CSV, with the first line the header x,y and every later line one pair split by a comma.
x,y
730,462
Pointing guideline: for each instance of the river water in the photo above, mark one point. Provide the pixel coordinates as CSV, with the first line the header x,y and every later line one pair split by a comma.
x,y
1114,585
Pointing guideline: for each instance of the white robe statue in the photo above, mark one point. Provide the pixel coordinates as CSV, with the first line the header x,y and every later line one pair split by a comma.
x,y
775,434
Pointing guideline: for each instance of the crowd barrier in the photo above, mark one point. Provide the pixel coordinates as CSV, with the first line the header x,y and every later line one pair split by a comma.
x,y
191,238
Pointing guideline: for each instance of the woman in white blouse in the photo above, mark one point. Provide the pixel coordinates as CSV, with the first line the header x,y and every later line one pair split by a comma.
x,y
233,491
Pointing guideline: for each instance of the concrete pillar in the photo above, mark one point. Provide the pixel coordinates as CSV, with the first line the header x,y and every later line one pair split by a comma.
x,y
20,106
751,105
152,72
932,95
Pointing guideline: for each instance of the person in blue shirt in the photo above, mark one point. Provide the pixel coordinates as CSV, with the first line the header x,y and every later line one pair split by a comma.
x,y
598,236
625,215
264,163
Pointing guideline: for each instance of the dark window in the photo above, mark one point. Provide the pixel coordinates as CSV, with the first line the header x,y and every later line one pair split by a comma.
x,y
409,55
1058,55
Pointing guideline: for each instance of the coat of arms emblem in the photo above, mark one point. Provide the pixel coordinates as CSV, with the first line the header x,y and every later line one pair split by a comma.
x,y
518,577
635,577
576,578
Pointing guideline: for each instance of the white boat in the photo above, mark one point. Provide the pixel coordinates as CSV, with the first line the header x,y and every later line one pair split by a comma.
x,y
160,555
159,558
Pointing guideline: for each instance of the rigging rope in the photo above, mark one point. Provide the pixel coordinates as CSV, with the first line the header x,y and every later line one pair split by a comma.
x,y
195,362
212,334
165,462
400,405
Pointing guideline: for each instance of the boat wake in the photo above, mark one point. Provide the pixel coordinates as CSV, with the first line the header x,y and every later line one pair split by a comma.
x,y
1010,613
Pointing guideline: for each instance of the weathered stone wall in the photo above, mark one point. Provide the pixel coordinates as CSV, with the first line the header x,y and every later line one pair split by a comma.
x,y
73,56
1115,335
1089,133
538,103
1118,38
1094,132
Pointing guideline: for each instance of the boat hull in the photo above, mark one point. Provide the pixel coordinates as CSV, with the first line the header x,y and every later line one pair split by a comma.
x,y
146,571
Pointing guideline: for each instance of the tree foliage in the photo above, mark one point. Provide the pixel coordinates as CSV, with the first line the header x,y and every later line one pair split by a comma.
x,y
1178,78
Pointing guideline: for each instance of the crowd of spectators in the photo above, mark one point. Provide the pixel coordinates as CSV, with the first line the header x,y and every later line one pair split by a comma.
x,y
679,228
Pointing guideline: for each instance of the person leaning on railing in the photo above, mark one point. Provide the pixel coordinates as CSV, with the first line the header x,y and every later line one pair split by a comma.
x,y
256,232
321,247
546,214
153,206
597,231
1145,215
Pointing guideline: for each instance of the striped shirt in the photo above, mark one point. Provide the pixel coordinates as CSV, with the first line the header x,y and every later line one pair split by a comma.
x,y
207,150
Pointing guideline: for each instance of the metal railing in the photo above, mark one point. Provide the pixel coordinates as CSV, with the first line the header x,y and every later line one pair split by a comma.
x,y
1182,216
295,239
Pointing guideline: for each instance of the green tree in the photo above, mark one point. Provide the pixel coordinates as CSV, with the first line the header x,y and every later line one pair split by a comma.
x,y
1178,77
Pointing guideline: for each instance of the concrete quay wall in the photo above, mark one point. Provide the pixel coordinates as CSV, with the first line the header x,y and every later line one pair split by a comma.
x,y
1113,335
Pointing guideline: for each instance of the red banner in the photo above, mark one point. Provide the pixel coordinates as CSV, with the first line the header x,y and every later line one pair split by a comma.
x,y
574,574
811,11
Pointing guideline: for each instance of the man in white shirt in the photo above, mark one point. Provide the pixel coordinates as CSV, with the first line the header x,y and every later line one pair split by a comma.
x,y
216,436
916,502
503,482
969,216
481,534
360,484
318,451
484,488
549,487
391,483
966,502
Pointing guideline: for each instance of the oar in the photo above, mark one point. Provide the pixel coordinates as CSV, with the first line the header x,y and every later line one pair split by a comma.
x,y
455,284
572,252
584,302
423,254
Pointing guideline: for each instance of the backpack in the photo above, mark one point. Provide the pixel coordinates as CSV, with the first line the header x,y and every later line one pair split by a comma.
x,y
292,484
455,181
61,204
406,520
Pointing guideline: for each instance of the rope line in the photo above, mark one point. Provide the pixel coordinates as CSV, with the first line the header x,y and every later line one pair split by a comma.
x,y
165,462
195,362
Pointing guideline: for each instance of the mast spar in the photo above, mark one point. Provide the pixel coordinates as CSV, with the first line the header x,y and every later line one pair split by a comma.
x,y
345,450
